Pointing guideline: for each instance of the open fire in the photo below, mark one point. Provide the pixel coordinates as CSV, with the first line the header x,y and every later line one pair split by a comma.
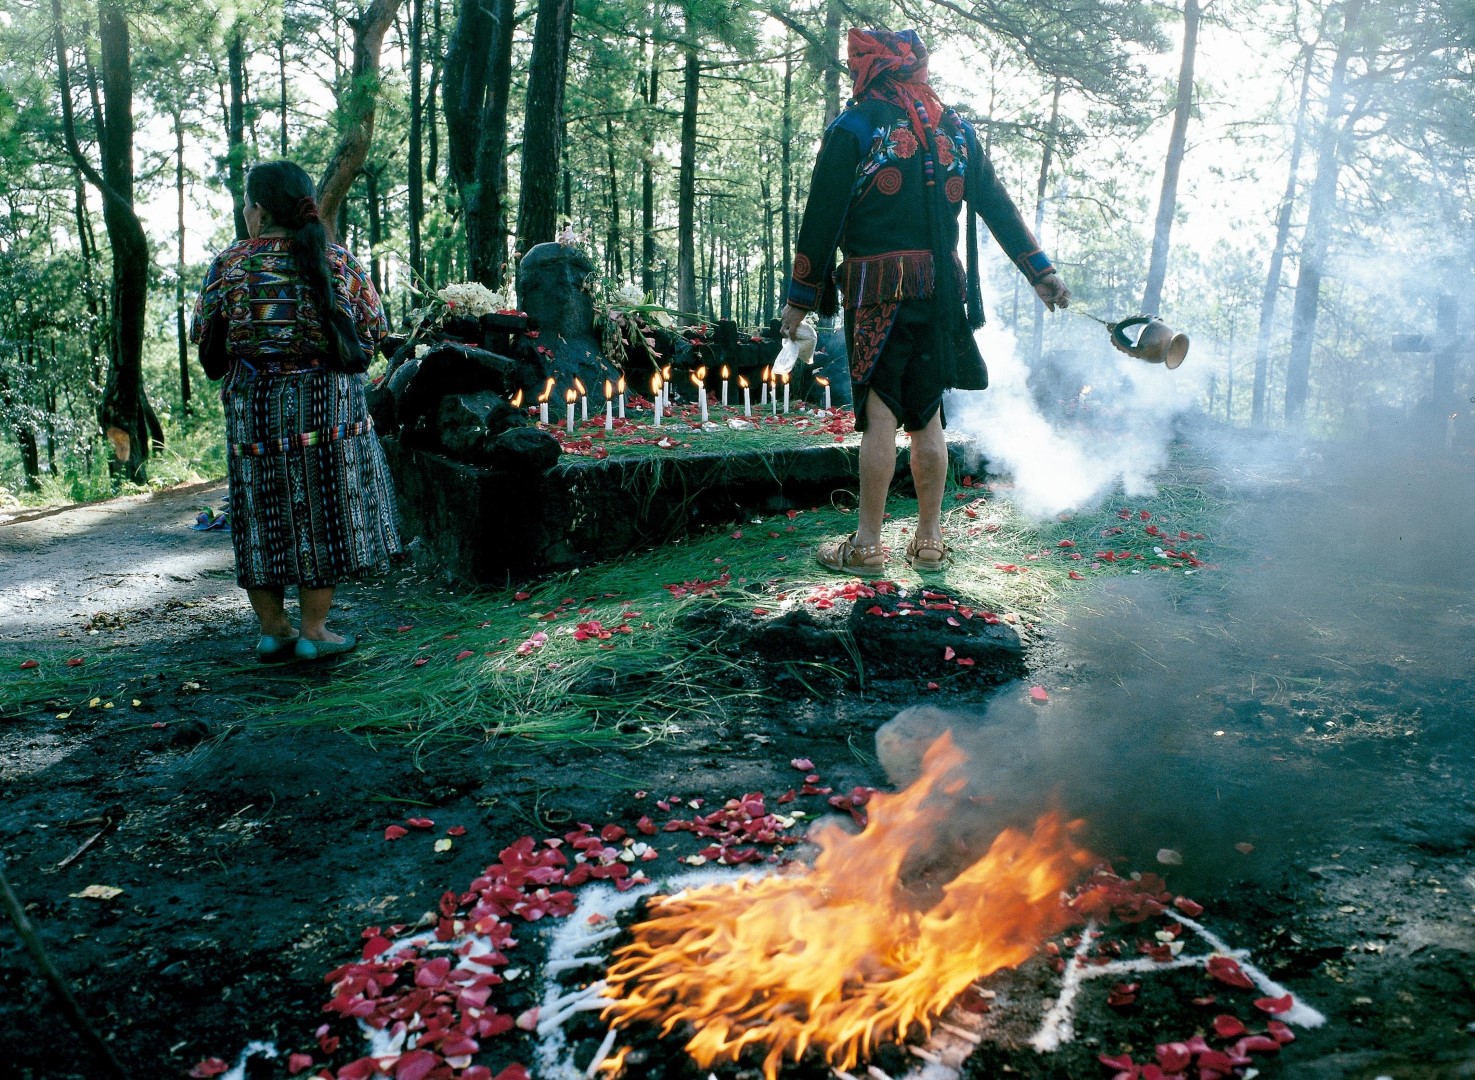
x,y
844,957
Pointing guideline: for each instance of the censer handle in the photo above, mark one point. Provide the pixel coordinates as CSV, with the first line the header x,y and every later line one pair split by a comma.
x,y
1119,339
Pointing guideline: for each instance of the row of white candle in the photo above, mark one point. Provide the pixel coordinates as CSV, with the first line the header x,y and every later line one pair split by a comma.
x,y
660,397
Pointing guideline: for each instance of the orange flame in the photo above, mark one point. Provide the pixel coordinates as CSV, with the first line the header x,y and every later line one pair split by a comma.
x,y
840,957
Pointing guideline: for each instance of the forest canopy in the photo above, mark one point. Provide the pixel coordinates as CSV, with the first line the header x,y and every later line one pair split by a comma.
x,y
1289,179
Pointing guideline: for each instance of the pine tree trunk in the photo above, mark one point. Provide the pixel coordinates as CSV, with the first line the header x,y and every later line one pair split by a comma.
x,y
686,280
415,166
181,332
124,412
356,108
648,178
235,52
371,191
1319,212
282,93
1167,204
786,171
1047,153
616,263
833,64
537,210
432,114
1277,252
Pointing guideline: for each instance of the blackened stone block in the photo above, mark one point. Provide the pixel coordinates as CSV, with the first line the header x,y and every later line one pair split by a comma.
x,y
522,450
418,383
466,425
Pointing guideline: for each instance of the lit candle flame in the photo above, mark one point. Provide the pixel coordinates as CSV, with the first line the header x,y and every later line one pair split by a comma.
x,y
666,372
655,383
701,374
609,390
765,374
579,385
785,377
724,371
547,390
620,386
822,380
742,382
571,396
517,399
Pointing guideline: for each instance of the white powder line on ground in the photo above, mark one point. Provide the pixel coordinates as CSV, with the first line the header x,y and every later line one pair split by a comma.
x,y
253,1049
1058,1025
1299,1013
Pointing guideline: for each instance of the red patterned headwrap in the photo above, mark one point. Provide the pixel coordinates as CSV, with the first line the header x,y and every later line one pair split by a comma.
x,y
893,67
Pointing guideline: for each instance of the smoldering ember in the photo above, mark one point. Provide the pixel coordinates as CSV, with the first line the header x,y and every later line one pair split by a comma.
x,y
527,655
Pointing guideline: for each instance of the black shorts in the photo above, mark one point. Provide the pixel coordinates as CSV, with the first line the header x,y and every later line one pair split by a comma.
x,y
908,376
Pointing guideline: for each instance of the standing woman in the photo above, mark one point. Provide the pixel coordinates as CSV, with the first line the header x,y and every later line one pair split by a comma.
x,y
291,321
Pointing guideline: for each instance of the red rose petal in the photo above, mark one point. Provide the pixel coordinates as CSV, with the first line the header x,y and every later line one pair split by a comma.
x,y
208,1067
394,832
1226,970
456,830
1280,1033
1275,1006
522,596
297,1062
1189,907
948,653
419,823
803,764
420,661
1173,1057
26,665
1228,1027
1038,694
415,1065
463,654
1256,1044
77,661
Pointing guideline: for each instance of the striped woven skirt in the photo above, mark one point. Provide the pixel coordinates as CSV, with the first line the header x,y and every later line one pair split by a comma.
x,y
310,498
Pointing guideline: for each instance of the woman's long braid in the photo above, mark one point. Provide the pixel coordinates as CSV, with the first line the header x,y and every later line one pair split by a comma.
x,y
285,191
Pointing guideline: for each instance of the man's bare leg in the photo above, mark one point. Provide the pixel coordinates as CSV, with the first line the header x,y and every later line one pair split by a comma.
x,y
929,474
877,467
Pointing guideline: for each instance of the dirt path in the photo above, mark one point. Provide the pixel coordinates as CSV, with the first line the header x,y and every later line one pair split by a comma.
x,y
1306,750
132,553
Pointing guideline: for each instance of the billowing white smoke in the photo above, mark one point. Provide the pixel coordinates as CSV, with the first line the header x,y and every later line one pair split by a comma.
x,y
1089,420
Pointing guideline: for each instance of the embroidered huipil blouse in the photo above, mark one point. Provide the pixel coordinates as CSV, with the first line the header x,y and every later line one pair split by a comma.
x,y
254,296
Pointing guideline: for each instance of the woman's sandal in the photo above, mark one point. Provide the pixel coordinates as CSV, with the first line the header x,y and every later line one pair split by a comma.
x,y
845,557
917,546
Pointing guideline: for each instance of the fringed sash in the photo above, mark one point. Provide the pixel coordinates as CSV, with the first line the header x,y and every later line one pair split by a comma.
x,y
897,275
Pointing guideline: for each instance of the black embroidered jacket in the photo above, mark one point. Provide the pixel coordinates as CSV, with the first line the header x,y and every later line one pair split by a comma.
x,y
868,199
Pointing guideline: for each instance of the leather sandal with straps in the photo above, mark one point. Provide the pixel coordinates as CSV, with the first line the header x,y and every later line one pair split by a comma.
x,y
846,557
940,554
